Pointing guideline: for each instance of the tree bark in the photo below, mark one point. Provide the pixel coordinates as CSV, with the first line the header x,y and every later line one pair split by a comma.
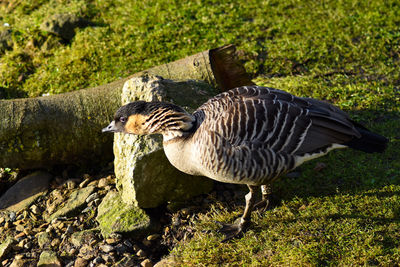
x,y
66,129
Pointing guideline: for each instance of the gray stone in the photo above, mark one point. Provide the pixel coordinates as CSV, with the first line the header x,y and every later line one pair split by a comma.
x,y
48,258
13,216
106,248
83,237
63,25
73,205
142,170
43,239
6,246
25,191
113,215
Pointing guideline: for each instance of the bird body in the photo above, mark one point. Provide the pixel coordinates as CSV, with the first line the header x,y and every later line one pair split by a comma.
x,y
249,135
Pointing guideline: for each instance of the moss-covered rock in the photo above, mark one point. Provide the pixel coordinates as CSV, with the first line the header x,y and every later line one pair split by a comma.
x,y
48,258
144,174
114,215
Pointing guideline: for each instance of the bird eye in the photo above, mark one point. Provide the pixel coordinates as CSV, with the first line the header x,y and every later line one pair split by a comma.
x,y
122,119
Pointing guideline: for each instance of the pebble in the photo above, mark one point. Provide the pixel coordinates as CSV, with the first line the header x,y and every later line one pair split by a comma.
x,y
153,237
107,258
93,183
2,220
60,225
22,243
19,256
49,229
92,197
84,183
146,263
103,182
113,238
111,241
20,235
108,188
71,184
106,248
141,253
80,262
28,245
19,228
86,252
55,242
72,251
12,216
35,209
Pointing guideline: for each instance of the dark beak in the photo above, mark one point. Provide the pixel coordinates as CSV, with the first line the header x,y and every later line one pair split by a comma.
x,y
110,128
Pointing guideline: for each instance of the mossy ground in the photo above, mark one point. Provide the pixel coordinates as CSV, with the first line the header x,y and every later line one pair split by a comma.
x,y
346,52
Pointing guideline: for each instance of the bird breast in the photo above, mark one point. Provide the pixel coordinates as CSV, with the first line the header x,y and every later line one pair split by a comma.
x,y
182,155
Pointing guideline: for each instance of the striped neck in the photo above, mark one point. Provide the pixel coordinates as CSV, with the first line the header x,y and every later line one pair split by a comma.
x,y
169,120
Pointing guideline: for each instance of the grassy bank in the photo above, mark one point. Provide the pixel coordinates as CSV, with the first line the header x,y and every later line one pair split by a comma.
x,y
347,213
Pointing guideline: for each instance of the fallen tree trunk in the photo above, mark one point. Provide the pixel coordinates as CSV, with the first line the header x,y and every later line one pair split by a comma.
x,y
66,128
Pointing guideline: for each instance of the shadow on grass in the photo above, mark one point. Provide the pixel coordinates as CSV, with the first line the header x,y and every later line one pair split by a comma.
x,y
348,171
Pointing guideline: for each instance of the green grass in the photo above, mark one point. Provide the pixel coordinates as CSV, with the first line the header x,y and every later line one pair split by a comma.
x,y
345,52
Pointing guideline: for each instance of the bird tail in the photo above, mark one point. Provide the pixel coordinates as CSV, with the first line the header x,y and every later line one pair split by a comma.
x,y
368,142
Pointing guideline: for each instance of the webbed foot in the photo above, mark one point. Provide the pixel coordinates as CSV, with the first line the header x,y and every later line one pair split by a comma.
x,y
232,230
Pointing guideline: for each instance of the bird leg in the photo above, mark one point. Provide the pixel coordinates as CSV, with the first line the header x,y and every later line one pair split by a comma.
x,y
232,230
266,191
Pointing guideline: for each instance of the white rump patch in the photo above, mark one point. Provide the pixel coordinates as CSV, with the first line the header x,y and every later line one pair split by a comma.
x,y
306,157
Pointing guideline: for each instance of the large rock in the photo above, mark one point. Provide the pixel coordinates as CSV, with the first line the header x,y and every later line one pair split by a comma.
x,y
144,174
115,216
25,191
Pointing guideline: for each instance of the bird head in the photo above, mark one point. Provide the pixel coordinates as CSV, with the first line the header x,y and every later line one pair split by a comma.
x,y
142,117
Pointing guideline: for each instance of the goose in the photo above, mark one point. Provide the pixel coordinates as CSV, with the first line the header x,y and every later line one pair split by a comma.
x,y
249,135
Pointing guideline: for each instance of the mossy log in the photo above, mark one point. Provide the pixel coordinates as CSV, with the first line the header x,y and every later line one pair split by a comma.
x,y
66,129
